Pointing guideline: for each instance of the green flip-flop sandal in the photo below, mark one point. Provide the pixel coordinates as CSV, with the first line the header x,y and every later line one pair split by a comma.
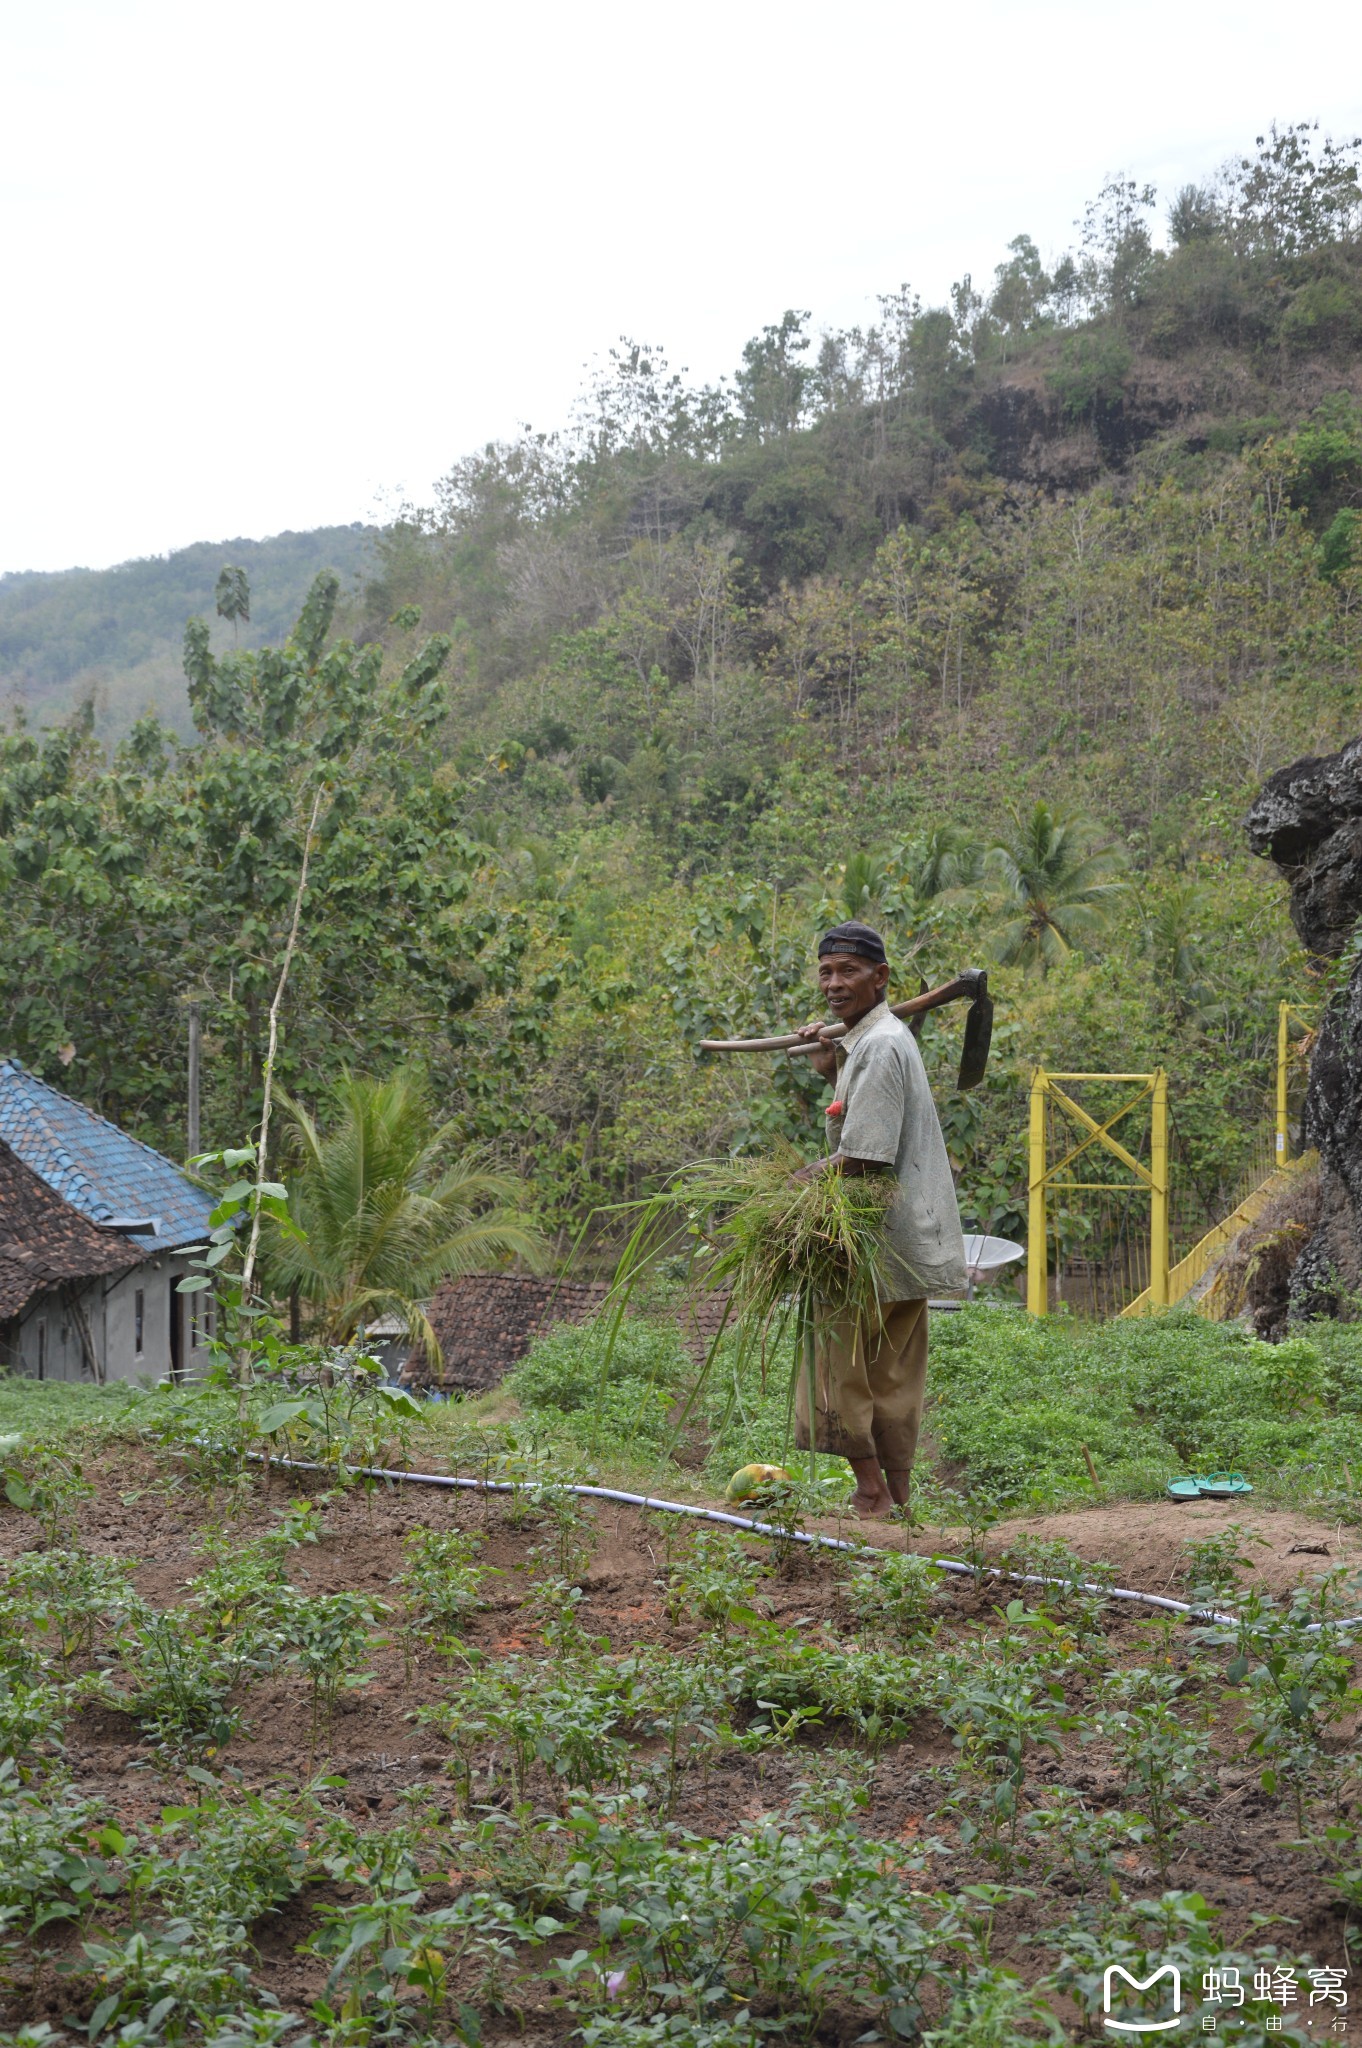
x,y
1184,1489
1224,1485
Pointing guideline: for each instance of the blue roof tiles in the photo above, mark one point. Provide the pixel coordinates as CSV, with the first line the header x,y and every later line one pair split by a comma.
x,y
97,1168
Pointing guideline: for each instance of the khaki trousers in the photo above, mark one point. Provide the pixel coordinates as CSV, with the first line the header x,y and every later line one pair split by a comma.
x,y
869,1382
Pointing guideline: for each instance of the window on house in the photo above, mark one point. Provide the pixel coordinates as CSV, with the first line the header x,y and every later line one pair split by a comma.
x,y
139,1322
193,1325
42,1346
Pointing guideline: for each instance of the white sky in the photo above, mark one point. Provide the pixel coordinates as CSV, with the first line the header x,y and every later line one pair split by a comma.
x,y
277,264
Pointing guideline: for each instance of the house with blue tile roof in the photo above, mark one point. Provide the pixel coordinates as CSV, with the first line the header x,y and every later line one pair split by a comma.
x,y
124,1320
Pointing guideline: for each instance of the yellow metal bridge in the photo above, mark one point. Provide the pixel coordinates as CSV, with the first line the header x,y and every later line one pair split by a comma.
x,y
1066,1140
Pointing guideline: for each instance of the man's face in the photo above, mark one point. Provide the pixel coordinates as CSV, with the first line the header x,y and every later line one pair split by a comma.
x,y
851,986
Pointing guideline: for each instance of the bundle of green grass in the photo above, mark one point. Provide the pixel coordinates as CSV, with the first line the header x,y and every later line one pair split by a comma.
x,y
785,1252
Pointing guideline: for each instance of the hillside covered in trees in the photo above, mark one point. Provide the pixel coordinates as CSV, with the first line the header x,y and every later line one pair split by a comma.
x,y
113,637
985,621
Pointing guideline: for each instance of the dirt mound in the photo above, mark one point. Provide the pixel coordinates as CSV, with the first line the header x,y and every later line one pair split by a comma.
x,y
1145,1542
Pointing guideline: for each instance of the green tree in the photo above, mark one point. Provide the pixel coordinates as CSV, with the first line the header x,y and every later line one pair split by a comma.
x,y
1020,290
1056,887
172,871
386,1213
1296,194
773,383
233,595
863,883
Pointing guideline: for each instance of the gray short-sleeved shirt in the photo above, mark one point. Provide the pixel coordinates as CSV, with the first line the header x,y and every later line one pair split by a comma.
x,y
888,1116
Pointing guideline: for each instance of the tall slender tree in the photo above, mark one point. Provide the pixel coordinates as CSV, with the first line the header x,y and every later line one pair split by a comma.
x,y
233,595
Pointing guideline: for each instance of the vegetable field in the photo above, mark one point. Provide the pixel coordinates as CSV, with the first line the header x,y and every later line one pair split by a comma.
x,y
391,1765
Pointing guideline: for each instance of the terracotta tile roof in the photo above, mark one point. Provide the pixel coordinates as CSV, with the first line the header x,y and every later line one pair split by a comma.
x,y
488,1321
44,1241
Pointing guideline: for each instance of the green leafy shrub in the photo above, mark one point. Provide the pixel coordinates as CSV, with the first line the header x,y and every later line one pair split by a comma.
x,y
69,1596
327,1634
441,1582
618,1395
179,1681
898,1594
1014,1400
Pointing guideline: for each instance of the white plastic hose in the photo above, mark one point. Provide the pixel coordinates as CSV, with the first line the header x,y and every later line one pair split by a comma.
x,y
768,1529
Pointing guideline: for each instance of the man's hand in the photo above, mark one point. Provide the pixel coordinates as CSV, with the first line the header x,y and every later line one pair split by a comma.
x,y
841,1162
824,1060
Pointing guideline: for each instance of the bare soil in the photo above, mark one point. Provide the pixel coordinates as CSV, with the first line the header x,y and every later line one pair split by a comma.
x,y
1144,1542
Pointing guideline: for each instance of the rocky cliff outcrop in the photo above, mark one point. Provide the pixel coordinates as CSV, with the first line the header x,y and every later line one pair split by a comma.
x,y
1308,819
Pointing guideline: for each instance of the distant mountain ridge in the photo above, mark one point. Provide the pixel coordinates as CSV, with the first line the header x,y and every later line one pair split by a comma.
x,y
115,634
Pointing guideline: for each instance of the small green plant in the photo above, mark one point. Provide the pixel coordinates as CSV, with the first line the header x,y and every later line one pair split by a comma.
x,y
714,1582
1296,1681
245,1597
167,1983
33,1714
390,1962
571,1536
1000,1714
529,1723
55,1851
996,2011
835,1787
50,1487
225,1863
1066,1838
1216,1565
442,1586
897,1595
1163,1754
556,1607
327,1634
333,1406
975,1510
180,1681
71,1597
680,1701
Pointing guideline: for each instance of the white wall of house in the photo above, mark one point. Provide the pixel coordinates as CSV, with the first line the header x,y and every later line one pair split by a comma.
x,y
130,1323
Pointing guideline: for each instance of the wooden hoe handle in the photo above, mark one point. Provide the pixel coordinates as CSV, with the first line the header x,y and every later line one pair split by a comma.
x,y
972,983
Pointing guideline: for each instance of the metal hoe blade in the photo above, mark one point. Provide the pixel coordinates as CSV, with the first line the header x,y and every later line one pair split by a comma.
x,y
978,1037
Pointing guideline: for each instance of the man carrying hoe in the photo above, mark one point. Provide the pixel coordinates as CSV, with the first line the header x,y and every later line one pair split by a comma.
x,y
870,1380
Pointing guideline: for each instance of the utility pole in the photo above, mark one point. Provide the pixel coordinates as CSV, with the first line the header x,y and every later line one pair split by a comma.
x,y
195,1147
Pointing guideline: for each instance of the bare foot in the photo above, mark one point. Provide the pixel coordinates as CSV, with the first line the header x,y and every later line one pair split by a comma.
x,y
872,1507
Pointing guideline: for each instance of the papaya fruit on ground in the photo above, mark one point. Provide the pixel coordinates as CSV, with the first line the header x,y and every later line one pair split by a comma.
x,y
750,1480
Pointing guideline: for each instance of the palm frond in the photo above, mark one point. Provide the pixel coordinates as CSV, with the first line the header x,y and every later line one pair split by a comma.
x,y
385,1213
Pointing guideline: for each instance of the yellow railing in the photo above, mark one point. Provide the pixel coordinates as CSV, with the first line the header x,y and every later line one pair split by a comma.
x,y
1272,1169
1188,1271
1285,1012
1042,1177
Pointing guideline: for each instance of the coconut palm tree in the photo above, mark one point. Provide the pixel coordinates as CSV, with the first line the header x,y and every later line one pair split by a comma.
x,y
944,860
1055,887
860,890
386,1212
